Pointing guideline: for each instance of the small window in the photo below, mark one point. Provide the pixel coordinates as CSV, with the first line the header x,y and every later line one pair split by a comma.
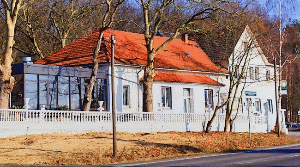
x,y
251,73
270,105
126,95
268,75
257,106
166,96
256,73
208,93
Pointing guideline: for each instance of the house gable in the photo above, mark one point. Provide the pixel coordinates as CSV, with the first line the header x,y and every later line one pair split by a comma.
x,y
256,54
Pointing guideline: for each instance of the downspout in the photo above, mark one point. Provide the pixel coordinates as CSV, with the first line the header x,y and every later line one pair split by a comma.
x,y
138,90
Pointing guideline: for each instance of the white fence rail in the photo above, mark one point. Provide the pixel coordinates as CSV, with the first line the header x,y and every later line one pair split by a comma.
x,y
20,122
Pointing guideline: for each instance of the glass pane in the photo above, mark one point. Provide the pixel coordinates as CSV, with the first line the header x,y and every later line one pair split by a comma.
x,y
17,95
186,92
43,93
169,97
163,97
125,95
74,79
75,101
63,94
32,77
47,78
52,95
31,92
63,79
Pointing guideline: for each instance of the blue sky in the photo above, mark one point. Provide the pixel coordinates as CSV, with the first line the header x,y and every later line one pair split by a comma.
x,y
290,8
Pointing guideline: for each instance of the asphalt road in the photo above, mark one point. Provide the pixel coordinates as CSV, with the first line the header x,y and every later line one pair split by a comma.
x,y
278,156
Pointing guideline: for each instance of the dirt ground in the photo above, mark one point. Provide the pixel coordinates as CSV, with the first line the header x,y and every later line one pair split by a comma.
x,y
96,148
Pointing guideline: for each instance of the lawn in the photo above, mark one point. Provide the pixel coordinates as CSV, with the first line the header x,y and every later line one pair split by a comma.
x,y
96,148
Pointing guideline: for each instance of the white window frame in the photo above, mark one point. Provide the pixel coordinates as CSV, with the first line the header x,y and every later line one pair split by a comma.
x,y
209,100
257,101
270,105
188,98
126,97
166,97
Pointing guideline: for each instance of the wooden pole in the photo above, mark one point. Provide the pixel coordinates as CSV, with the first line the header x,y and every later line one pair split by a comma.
x,y
113,42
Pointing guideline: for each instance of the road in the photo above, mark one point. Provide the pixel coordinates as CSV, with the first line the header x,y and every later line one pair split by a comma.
x,y
278,156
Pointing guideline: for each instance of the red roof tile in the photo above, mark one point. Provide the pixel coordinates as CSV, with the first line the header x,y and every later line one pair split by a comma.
x,y
130,49
186,78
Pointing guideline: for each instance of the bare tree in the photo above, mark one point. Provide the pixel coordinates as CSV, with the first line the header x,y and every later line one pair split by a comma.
x,y
154,13
238,64
107,20
7,81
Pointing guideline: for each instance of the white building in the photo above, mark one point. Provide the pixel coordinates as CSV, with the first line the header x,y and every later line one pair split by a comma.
x,y
258,96
187,80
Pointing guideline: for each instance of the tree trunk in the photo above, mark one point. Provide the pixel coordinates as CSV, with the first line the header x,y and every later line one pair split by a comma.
x,y
88,97
6,80
231,125
228,116
226,125
149,74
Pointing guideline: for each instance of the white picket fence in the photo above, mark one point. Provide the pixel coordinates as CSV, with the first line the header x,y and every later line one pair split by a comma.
x,y
21,122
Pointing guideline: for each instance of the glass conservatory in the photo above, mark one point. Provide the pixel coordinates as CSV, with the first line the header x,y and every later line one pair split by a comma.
x,y
54,87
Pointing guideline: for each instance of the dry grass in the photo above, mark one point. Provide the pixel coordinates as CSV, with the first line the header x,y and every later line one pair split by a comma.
x,y
96,148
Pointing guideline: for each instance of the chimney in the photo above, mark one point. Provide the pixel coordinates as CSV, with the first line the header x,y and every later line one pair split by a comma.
x,y
27,60
185,38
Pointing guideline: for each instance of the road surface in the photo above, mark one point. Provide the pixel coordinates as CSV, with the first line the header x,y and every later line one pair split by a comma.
x,y
277,156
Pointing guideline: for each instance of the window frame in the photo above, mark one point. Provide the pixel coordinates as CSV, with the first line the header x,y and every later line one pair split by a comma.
x,y
207,98
126,98
166,97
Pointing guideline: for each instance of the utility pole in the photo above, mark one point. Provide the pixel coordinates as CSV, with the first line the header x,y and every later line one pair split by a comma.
x,y
113,42
279,74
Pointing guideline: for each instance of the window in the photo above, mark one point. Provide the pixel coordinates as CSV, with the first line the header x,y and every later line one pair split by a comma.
x,y
63,91
257,106
270,105
208,93
187,100
48,91
166,96
126,95
76,101
31,90
256,73
251,73
102,92
267,75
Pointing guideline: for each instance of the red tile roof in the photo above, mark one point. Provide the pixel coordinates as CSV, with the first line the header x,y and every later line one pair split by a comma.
x,y
186,78
130,49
